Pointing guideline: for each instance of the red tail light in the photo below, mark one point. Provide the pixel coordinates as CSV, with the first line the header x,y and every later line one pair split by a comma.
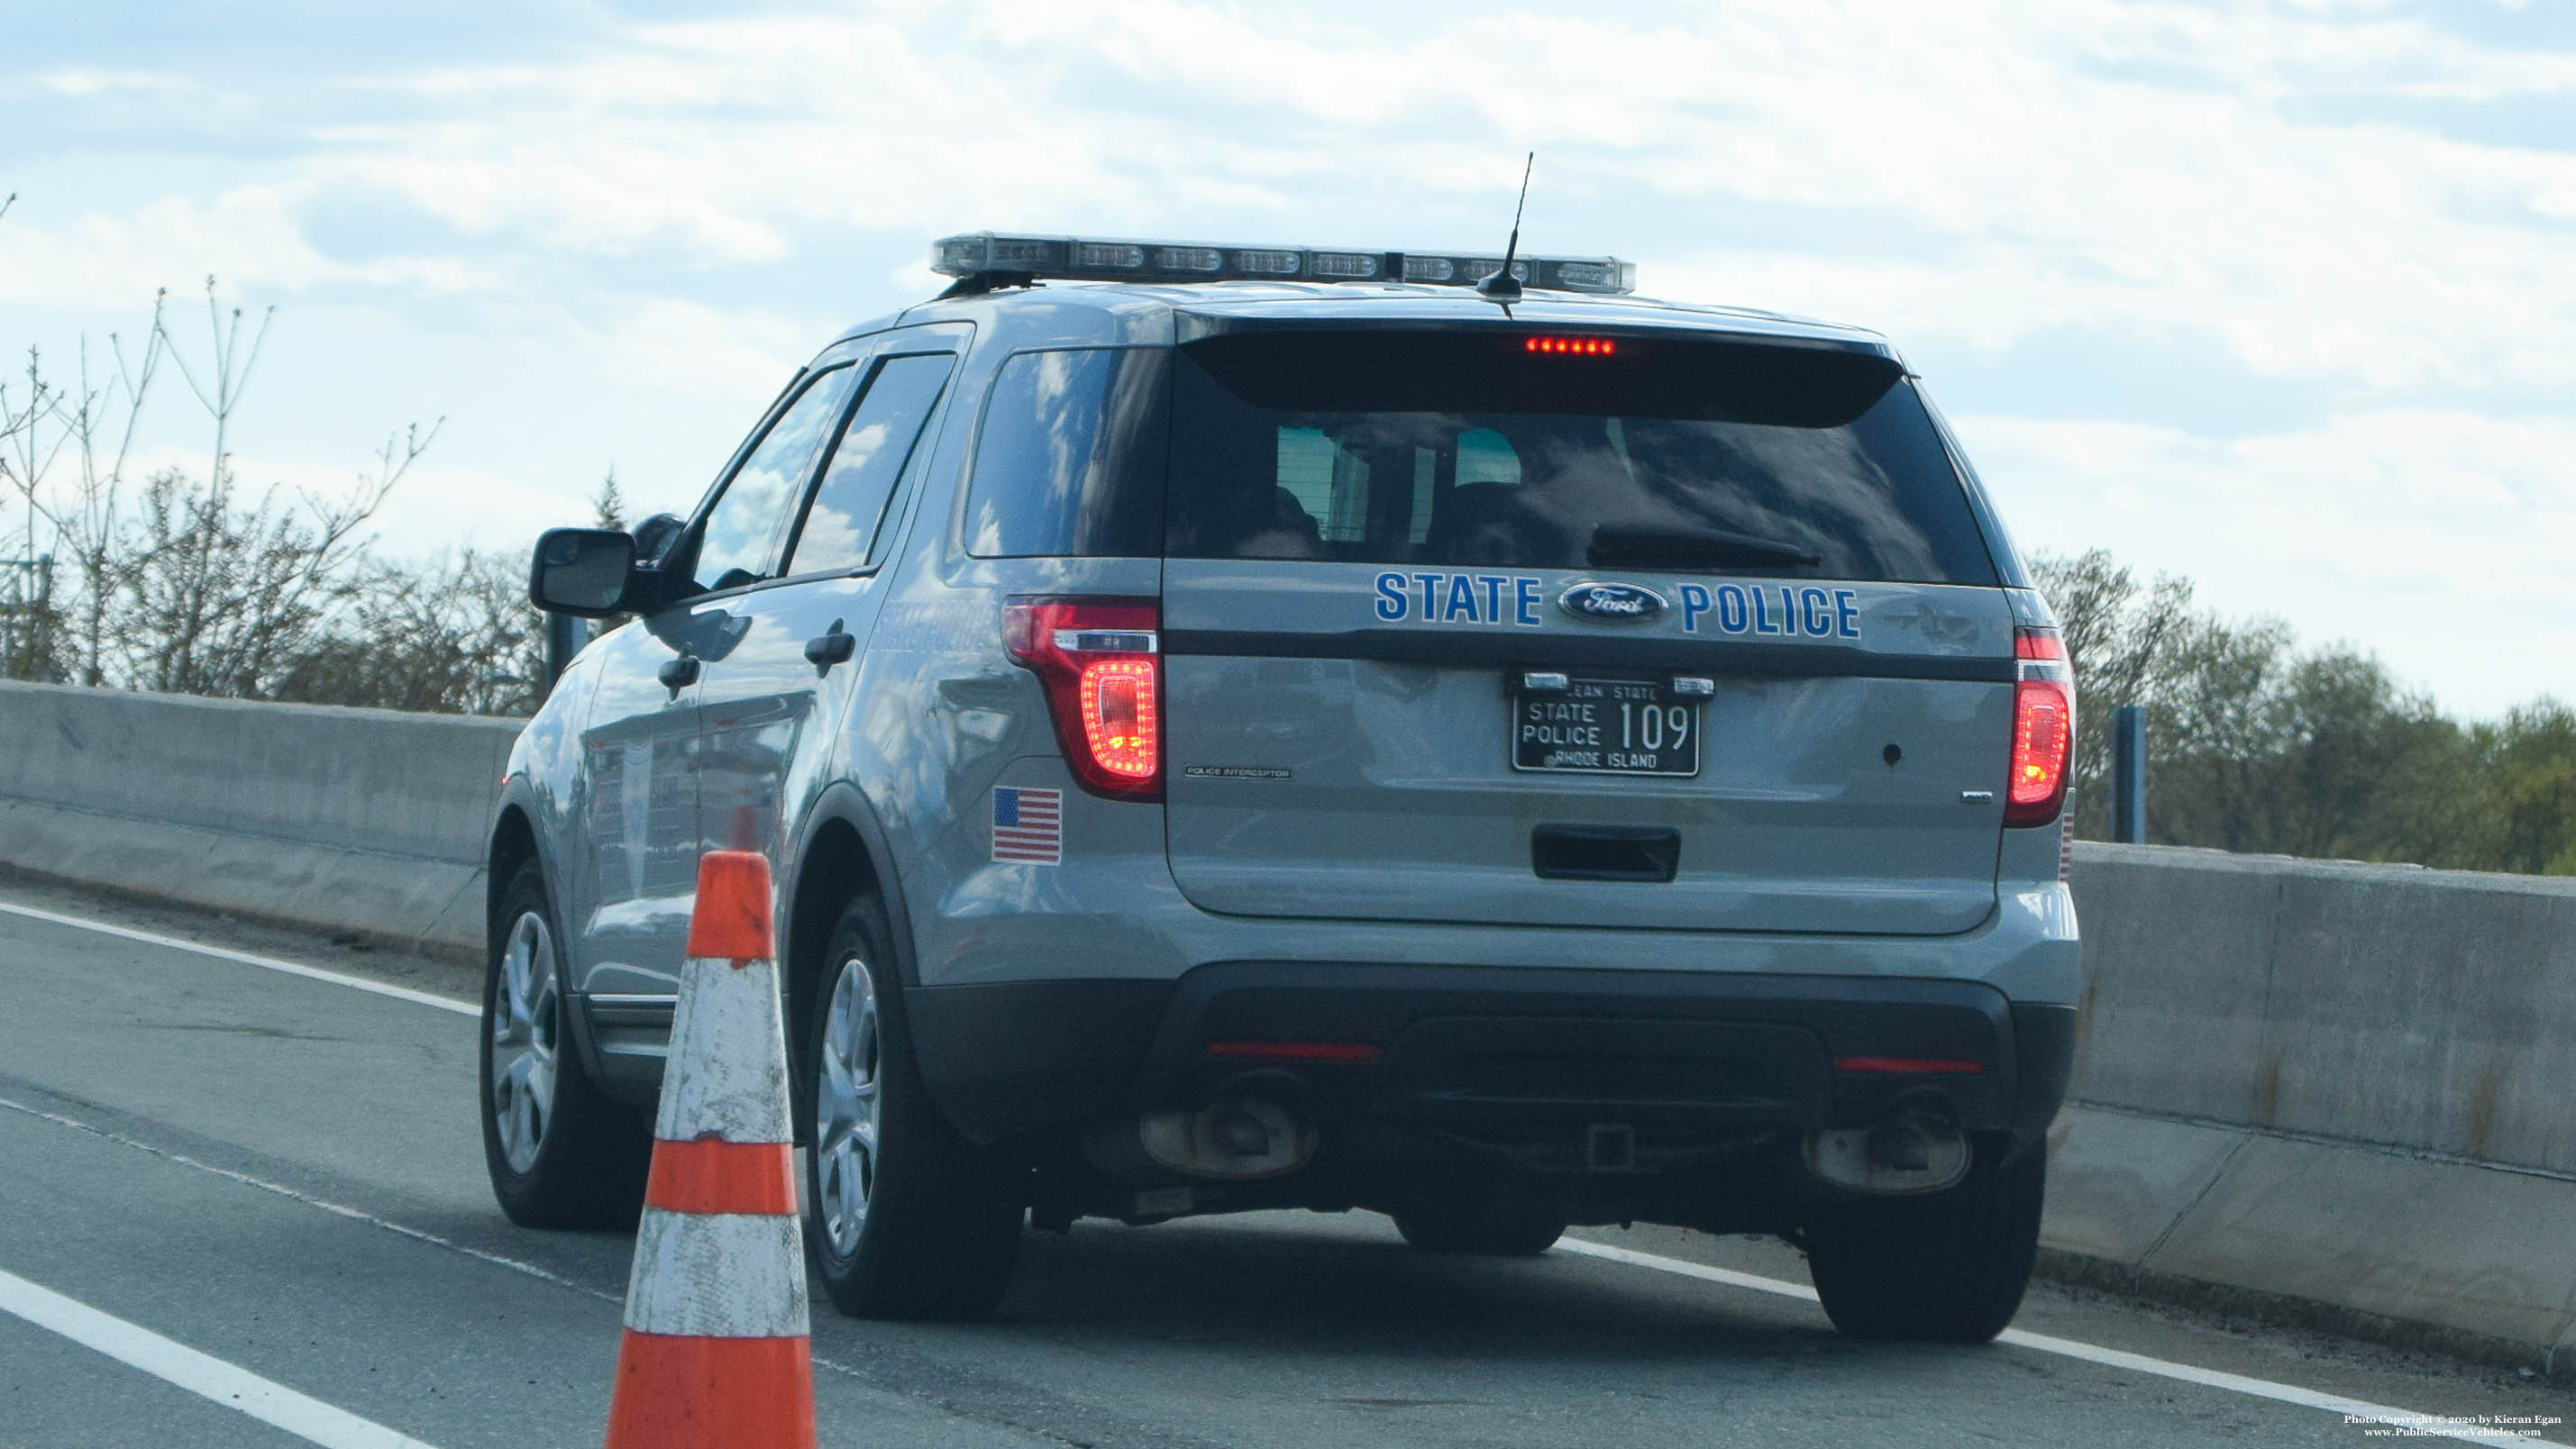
x,y
1100,661
2043,738
1910,1066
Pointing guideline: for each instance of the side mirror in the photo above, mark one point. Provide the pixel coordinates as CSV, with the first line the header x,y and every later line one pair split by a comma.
x,y
580,571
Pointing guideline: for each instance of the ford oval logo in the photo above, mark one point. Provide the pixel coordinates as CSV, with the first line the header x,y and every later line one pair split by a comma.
x,y
1612,603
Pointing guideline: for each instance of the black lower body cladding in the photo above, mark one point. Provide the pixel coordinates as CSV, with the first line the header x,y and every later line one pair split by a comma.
x,y
1513,1063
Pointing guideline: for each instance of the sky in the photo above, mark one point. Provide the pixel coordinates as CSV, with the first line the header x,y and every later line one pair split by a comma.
x,y
2272,296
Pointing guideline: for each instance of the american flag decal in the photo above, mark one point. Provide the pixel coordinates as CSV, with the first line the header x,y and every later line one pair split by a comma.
x,y
1028,825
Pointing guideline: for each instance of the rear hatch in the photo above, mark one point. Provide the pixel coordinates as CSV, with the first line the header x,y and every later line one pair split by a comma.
x,y
1577,627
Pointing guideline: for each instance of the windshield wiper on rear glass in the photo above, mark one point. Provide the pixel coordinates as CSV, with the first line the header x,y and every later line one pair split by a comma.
x,y
1621,546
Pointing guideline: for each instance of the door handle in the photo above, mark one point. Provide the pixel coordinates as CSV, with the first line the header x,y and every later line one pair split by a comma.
x,y
678,674
825,650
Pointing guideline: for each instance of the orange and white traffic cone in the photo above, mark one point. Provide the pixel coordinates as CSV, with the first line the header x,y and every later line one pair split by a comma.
x,y
716,1350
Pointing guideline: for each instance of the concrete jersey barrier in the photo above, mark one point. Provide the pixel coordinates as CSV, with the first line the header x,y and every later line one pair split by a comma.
x,y
2328,1083
2316,1082
2425,1009
353,821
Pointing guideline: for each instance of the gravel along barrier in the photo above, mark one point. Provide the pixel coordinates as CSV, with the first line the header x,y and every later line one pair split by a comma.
x,y
2322,1087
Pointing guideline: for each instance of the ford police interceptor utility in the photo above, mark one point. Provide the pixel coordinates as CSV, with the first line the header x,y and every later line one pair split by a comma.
x,y
1258,727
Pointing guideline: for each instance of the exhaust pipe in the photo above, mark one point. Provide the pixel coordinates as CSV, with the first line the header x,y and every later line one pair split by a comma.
x,y
1917,1147
1254,1127
1232,1137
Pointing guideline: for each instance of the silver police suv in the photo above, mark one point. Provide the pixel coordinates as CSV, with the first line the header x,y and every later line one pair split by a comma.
x,y
1261,727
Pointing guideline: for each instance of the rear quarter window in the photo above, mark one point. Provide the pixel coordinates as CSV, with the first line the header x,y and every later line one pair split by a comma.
x,y
1069,459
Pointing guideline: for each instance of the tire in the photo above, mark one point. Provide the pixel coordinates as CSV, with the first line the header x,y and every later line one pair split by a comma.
x,y
1486,1226
904,1217
1949,1267
560,1154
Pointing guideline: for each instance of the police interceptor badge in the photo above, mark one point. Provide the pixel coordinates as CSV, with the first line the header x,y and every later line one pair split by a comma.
x,y
1611,603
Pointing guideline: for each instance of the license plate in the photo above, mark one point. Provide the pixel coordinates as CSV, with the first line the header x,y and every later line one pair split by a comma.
x,y
1605,727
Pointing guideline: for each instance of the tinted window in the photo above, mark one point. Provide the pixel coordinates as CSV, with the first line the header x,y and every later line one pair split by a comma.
x,y
849,505
1467,450
1070,460
742,536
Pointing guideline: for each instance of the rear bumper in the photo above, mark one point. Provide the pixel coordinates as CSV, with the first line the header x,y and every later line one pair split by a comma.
x,y
1509,1064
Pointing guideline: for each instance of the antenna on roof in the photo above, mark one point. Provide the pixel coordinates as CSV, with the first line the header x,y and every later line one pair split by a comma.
x,y
1502,287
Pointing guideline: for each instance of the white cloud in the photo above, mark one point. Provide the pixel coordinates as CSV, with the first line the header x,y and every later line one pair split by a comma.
x,y
251,237
736,357
433,507
2439,539
2255,182
2002,148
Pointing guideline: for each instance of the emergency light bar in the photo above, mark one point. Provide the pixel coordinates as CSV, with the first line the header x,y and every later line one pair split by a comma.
x,y
1113,260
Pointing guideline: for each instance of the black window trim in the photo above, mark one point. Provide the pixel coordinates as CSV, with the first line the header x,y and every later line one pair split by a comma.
x,y
871,352
797,386
2009,571
890,516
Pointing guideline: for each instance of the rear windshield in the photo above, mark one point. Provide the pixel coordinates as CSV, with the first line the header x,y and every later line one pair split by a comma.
x,y
1471,449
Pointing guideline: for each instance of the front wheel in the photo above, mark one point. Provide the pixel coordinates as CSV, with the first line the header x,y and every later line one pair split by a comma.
x,y
560,1154
904,1217
1949,1266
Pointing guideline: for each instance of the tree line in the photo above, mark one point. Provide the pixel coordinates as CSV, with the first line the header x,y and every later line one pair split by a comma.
x,y
2256,743
180,578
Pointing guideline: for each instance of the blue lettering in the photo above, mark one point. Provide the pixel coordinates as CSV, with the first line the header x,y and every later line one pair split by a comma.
x,y
1811,612
1846,614
1462,599
1762,614
1493,595
1525,600
1732,615
1430,595
1694,604
1390,596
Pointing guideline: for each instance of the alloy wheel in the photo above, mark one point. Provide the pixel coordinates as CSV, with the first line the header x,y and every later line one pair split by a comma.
x,y
846,1100
526,1015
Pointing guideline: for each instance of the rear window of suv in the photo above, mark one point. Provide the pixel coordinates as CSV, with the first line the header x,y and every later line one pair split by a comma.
x,y
1470,449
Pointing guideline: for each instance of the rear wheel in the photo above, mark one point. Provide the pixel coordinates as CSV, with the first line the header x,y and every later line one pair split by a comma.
x,y
560,1154
1949,1266
904,1217
1493,1227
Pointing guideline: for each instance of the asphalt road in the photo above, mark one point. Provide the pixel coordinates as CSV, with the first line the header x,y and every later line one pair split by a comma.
x,y
269,1188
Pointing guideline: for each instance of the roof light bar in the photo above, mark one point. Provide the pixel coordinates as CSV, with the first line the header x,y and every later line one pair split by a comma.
x,y
1116,259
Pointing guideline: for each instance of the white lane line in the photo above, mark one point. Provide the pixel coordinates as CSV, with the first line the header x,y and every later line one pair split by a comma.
x,y
2428,1425
201,1374
2354,1410
1701,1271
417,1235
2419,1424
245,958
308,1199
